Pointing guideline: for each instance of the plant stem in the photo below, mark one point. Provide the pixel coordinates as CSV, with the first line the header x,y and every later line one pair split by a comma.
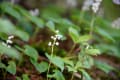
x,y
51,57
72,49
72,77
92,26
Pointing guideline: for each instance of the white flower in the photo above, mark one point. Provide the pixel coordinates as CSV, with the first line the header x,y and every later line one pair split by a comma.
x,y
8,46
50,44
9,41
52,37
57,31
11,37
87,4
98,0
95,5
58,36
57,43
34,12
116,2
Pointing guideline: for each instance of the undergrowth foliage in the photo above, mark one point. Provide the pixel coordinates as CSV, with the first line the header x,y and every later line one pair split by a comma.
x,y
20,43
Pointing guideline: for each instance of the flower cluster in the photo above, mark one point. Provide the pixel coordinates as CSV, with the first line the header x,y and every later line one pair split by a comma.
x,y
8,41
116,23
95,5
87,4
116,2
55,38
34,12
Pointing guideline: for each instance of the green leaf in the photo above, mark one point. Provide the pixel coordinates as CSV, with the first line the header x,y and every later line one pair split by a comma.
x,y
92,51
103,66
104,34
2,65
50,25
7,27
71,69
57,75
85,74
41,67
25,77
84,61
23,35
18,78
84,38
11,68
10,52
31,52
74,34
8,8
37,21
56,61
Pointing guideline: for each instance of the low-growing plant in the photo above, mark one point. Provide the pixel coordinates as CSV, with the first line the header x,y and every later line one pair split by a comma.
x,y
40,42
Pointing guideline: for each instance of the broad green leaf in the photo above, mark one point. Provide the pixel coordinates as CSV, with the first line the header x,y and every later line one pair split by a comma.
x,y
11,68
84,38
50,25
35,20
68,62
7,27
18,78
74,34
84,61
104,34
2,65
25,77
85,74
23,35
56,61
92,51
31,52
71,69
8,8
10,52
41,67
57,75
110,49
103,66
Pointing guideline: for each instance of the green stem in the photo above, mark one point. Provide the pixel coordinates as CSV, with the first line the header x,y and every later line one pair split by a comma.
x,y
51,57
92,26
72,49
72,77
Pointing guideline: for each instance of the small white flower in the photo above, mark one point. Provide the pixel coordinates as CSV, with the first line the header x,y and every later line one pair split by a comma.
x,y
8,46
57,43
52,37
11,37
9,41
57,31
116,2
98,0
34,12
59,36
50,44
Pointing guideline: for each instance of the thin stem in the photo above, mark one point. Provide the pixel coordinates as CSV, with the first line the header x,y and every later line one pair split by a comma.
x,y
72,77
92,26
72,48
0,57
51,57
